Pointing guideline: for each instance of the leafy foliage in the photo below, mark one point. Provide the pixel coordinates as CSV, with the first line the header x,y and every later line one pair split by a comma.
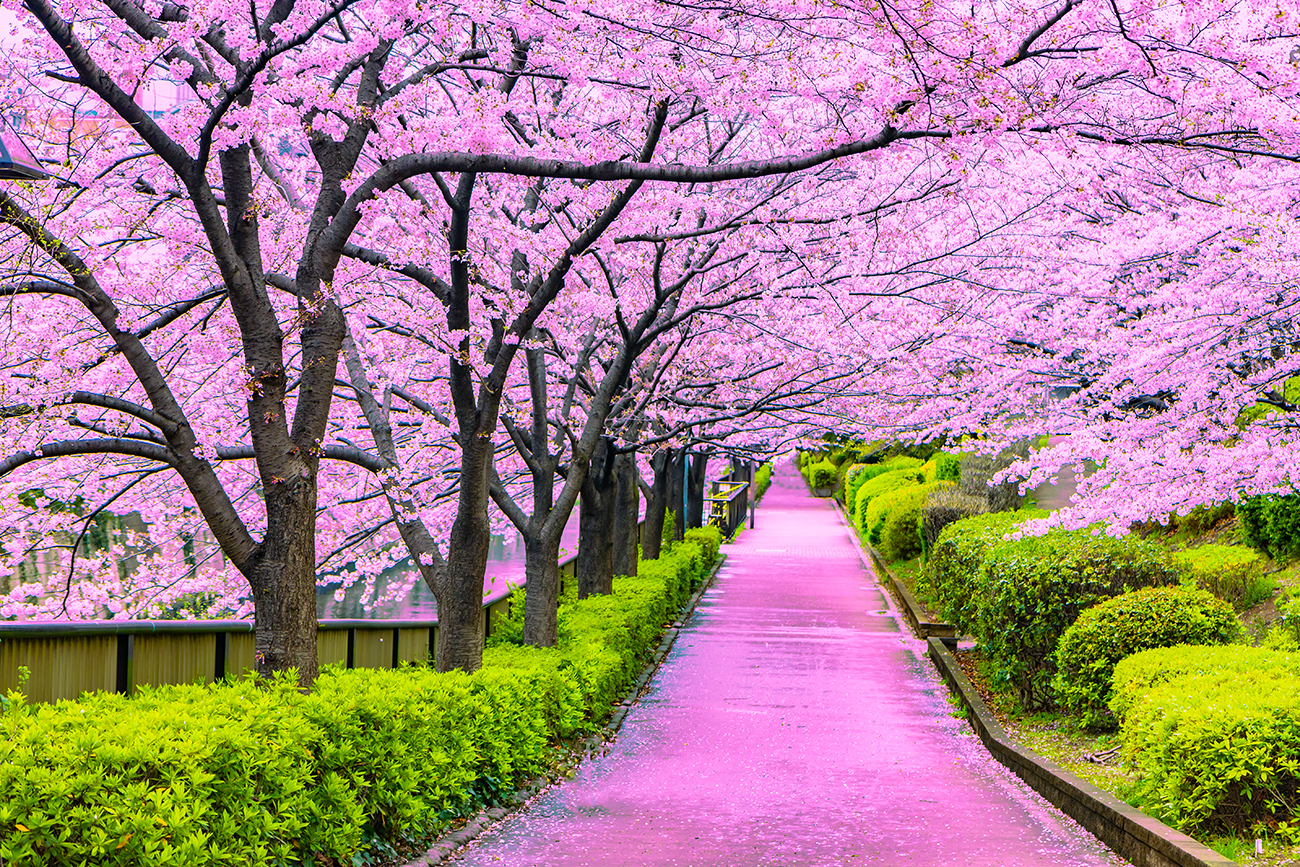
x,y
894,518
885,483
1214,734
762,481
254,772
1234,573
942,507
1272,524
1119,627
1030,590
820,473
951,575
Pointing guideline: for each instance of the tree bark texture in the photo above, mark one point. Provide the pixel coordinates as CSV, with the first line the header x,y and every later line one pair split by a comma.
x,y
542,600
676,493
627,506
656,504
596,524
699,463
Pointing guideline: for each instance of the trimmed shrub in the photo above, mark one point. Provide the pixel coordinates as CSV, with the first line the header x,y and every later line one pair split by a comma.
x,y
1137,676
710,541
884,483
1234,573
893,520
1120,627
952,572
1272,524
1030,590
1217,747
854,483
944,506
255,773
762,481
943,467
821,474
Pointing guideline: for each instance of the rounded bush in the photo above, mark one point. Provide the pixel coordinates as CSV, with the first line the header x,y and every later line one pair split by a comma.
x,y
952,572
893,520
882,484
1030,590
1123,625
1214,736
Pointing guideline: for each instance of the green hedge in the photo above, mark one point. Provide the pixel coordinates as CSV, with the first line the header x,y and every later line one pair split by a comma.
x,y
821,474
854,483
762,481
1124,625
884,483
952,570
1030,590
256,773
943,467
1137,676
1234,573
1272,524
1214,735
893,520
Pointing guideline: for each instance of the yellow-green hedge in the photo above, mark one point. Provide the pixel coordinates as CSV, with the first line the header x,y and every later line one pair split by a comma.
x,y
247,773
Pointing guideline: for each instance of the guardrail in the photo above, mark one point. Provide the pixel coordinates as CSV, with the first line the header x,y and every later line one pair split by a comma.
x,y
728,504
65,659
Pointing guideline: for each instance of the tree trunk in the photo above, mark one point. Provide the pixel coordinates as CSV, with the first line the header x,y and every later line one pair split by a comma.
x,y
627,502
656,505
676,484
284,584
460,599
541,603
596,525
695,490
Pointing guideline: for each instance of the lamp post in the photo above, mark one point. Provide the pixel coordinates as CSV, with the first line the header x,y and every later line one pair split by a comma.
x,y
17,162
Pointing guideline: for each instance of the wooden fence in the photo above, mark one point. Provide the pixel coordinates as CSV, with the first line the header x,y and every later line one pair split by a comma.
x,y
65,659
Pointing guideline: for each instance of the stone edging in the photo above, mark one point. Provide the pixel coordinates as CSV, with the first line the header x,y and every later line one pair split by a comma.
x,y
1135,836
594,744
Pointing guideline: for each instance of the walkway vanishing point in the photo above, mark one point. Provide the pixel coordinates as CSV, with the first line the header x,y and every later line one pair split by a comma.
x,y
793,724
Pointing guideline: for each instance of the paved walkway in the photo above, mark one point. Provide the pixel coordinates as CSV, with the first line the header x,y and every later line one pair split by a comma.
x,y
792,724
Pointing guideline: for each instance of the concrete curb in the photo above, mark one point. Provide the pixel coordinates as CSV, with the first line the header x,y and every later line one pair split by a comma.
x,y
594,744
1130,833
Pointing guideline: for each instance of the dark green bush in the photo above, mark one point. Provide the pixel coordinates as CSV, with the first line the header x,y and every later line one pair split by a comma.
x,y
1120,627
256,773
944,506
953,568
1272,524
1030,590
1215,738
1234,573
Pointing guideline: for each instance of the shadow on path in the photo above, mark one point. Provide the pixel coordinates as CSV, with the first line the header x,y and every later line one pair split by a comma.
x,y
792,724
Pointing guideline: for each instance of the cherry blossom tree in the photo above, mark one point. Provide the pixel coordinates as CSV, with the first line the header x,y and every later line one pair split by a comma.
x,y
406,174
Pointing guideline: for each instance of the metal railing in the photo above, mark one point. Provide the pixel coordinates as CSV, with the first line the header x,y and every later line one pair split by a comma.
x,y
728,504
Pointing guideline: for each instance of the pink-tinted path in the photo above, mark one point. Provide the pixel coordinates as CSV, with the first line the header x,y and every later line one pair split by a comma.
x,y
793,723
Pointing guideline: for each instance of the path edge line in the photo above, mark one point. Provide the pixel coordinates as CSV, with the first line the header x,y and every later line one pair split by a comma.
x,y
1133,835
594,744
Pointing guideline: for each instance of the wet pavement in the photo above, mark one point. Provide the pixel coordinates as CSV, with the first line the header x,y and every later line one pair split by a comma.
x,y
793,723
